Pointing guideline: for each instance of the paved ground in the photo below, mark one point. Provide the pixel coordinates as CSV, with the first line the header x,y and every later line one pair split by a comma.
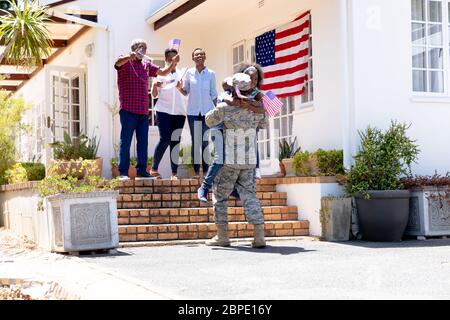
x,y
62,277
304,269
290,270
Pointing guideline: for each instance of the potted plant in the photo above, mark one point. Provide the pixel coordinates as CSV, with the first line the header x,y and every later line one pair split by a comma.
x,y
329,162
80,214
132,173
69,153
375,181
286,157
429,213
186,167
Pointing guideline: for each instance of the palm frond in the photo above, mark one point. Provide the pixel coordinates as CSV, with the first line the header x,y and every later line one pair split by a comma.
x,y
26,35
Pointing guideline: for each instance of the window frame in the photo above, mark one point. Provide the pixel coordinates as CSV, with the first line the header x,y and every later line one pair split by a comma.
x,y
156,59
445,47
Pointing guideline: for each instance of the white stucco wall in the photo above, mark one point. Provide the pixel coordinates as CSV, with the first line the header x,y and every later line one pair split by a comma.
x,y
383,81
125,23
318,126
307,198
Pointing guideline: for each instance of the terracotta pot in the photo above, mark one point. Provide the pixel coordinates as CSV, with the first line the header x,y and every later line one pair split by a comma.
x,y
185,172
115,171
282,170
288,165
131,172
311,166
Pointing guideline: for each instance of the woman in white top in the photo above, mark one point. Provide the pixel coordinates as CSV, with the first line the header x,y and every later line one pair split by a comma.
x,y
170,116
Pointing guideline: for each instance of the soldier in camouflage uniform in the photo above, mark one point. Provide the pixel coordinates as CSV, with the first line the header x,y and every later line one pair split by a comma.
x,y
238,171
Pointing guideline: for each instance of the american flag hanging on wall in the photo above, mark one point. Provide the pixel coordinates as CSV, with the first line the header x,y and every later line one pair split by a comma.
x,y
283,53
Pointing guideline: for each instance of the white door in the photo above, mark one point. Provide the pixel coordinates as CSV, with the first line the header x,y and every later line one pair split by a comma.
x,y
65,104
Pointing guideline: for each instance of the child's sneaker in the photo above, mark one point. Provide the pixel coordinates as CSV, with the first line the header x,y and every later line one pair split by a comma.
x,y
202,194
257,173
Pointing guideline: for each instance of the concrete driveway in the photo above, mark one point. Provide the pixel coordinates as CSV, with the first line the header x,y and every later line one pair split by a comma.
x,y
290,270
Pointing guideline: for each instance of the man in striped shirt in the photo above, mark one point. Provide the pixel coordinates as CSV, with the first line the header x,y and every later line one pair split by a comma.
x,y
134,71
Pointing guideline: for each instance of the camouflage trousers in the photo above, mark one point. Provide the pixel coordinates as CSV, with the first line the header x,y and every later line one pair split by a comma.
x,y
244,181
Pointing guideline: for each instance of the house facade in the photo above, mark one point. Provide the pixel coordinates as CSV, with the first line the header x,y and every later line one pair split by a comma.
x,y
371,61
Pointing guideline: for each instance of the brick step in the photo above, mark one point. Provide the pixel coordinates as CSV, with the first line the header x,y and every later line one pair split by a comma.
x,y
195,215
175,186
208,230
189,200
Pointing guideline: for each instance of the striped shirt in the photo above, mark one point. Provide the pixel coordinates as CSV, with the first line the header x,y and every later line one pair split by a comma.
x,y
132,79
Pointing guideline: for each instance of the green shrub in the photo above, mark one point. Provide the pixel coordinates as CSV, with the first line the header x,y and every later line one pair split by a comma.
x,y
23,172
330,163
73,149
384,158
300,163
11,112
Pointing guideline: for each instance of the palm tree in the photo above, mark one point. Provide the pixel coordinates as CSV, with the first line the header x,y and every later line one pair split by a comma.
x,y
26,36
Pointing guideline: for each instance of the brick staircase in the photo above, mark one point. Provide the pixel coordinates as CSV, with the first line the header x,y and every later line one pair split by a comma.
x,y
164,210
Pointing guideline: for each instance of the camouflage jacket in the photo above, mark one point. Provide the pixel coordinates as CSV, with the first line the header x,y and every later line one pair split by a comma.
x,y
240,127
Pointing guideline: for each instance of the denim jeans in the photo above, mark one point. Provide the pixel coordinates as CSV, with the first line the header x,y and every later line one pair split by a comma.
x,y
130,123
219,150
167,125
198,128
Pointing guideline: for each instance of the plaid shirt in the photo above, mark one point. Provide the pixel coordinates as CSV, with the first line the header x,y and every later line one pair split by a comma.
x,y
133,85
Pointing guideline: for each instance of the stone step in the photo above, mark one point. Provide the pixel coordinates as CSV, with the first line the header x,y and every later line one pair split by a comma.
x,y
175,186
189,200
191,231
196,215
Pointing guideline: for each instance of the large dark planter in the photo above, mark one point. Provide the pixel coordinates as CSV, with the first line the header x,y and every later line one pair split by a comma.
x,y
384,216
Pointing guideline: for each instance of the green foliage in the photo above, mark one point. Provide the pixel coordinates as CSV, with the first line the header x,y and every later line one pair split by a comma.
x,y
300,163
186,157
72,149
287,150
27,38
133,161
330,163
67,182
384,158
11,112
23,172
114,162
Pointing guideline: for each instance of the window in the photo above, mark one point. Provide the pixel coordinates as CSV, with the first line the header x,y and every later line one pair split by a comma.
x,y
283,123
238,56
429,50
308,96
67,113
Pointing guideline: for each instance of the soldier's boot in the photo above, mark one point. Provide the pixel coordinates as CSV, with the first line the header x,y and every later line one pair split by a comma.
x,y
259,240
221,239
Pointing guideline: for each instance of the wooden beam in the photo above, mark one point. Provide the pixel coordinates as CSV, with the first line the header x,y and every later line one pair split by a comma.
x,y
16,76
9,88
85,16
74,38
4,62
59,3
57,43
178,12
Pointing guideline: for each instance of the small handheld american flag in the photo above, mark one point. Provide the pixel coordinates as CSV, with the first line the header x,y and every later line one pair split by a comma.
x,y
272,104
175,44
